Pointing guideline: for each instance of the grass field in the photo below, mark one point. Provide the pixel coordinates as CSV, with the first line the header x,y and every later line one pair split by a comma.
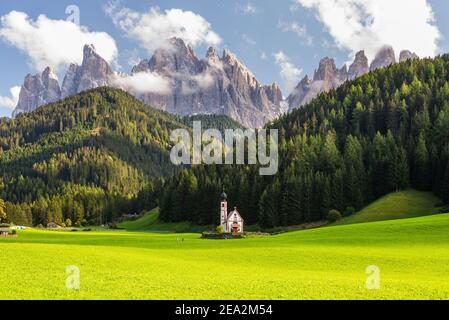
x,y
150,222
399,205
325,263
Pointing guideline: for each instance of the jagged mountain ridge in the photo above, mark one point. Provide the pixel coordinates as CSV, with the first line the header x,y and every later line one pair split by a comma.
x,y
215,84
212,85
328,76
38,90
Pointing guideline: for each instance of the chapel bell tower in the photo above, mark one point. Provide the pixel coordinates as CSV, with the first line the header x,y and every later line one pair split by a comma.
x,y
224,210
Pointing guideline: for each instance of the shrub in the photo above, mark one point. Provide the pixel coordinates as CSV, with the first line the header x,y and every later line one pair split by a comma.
x,y
13,232
334,215
114,226
40,226
68,223
220,229
182,228
63,225
84,223
349,211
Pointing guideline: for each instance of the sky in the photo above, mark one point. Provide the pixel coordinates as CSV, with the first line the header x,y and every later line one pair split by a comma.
x,y
280,41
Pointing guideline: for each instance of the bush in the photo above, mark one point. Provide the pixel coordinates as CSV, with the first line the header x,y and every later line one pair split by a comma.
x,y
13,232
182,228
5,225
334,215
220,229
40,226
68,223
84,223
87,230
114,226
62,225
349,211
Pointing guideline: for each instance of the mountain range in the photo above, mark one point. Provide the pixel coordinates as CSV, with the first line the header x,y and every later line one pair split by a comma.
x,y
176,80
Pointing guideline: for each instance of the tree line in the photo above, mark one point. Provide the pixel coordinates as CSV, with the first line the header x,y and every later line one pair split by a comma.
x,y
86,157
383,132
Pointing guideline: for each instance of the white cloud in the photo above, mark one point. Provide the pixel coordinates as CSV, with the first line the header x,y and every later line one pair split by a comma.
x,y
144,82
248,40
369,25
152,29
289,72
131,56
10,102
299,30
53,43
193,84
248,8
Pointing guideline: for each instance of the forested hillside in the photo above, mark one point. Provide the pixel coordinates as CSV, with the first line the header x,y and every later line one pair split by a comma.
x,y
212,121
85,157
385,131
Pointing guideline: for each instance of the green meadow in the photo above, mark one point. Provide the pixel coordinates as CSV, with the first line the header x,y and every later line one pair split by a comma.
x,y
326,263
398,205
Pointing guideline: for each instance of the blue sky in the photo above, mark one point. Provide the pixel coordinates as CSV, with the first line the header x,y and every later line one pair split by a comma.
x,y
280,41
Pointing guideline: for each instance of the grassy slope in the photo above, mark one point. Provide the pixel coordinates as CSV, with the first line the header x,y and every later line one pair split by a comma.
x,y
399,205
150,222
326,263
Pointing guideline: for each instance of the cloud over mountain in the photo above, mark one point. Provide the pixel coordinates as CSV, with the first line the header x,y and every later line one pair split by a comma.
x,y
289,72
153,28
143,82
10,102
54,43
369,25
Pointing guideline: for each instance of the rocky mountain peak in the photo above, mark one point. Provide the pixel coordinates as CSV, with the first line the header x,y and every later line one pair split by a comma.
x,y
38,90
237,71
142,66
359,67
213,85
94,67
212,55
406,55
384,58
211,52
178,57
326,70
49,74
88,51
94,72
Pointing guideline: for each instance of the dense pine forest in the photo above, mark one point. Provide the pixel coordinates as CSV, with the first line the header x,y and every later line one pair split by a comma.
x,y
219,122
84,159
92,157
383,132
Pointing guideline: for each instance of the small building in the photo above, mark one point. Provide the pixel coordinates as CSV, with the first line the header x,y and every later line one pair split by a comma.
x,y
18,228
232,222
52,225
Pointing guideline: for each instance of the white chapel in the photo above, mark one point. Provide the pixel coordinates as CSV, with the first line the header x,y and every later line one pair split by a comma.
x,y
232,222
